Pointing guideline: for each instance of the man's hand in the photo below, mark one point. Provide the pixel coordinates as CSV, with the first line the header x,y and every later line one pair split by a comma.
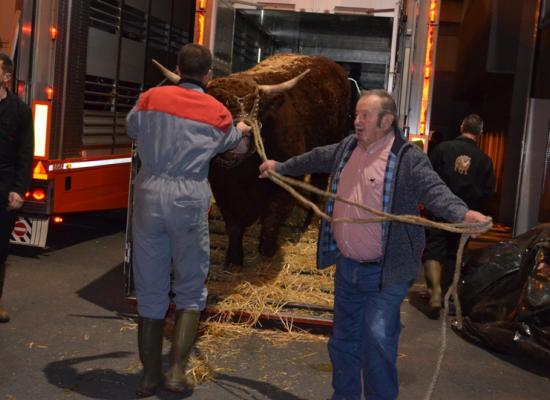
x,y
474,217
15,202
266,166
243,128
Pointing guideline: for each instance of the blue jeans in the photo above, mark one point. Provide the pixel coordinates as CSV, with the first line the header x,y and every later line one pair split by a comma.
x,y
366,332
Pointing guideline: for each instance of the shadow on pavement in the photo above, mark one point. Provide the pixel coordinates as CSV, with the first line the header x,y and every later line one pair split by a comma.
x,y
243,388
97,383
107,292
110,385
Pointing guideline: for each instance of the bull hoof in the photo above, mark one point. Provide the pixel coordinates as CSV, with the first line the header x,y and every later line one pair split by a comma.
x,y
146,392
233,260
180,386
148,389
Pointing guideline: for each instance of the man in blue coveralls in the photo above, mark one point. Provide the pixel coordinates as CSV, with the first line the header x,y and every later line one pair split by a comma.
x,y
178,130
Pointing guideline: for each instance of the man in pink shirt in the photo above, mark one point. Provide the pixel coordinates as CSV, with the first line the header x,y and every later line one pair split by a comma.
x,y
362,181
375,262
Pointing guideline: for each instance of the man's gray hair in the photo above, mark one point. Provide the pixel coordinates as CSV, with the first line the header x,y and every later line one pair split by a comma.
x,y
387,104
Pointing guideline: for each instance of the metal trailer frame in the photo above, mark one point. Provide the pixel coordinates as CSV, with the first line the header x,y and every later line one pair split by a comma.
x,y
407,50
81,65
416,88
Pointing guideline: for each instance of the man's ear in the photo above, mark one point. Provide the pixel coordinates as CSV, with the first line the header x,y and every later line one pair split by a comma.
x,y
207,77
387,121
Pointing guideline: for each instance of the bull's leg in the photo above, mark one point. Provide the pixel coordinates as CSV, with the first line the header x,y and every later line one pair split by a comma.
x,y
277,213
320,182
234,255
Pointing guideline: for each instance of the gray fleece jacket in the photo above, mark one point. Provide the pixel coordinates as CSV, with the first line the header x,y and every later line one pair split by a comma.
x,y
409,180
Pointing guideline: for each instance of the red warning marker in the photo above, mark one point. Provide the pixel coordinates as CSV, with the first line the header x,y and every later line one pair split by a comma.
x,y
20,229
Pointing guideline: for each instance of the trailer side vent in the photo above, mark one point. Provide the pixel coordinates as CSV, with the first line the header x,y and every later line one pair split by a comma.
x,y
105,15
134,24
159,34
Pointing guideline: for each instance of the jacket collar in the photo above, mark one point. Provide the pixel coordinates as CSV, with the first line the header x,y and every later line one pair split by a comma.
x,y
465,139
399,142
189,83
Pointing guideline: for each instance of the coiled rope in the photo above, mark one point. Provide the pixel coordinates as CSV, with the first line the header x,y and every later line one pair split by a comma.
x,y
465,229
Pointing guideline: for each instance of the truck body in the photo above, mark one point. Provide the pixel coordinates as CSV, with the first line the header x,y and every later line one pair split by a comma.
x,y
390,44
81,65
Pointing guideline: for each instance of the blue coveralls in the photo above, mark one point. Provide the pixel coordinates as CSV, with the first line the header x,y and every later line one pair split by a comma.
x,y
178,130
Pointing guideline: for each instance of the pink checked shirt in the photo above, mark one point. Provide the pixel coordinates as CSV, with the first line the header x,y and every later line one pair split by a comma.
x,y
362,181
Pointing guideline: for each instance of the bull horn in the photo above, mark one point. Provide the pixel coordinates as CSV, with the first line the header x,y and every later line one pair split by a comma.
x,y
171,76
283,86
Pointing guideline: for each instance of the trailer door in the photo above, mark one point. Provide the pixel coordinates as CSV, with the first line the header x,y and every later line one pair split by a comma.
x,y
362,40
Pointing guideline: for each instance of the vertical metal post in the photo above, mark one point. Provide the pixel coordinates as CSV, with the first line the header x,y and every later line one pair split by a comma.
x,y
393,49
62,99
117,75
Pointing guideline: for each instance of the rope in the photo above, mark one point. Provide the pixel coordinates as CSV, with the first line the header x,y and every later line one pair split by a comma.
x,y
452,291
465,229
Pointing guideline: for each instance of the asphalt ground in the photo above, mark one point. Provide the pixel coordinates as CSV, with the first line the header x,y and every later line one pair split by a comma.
x,y
73,336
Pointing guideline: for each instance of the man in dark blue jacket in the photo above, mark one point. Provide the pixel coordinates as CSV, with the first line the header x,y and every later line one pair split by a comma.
x,y
16,152
375,262
468,172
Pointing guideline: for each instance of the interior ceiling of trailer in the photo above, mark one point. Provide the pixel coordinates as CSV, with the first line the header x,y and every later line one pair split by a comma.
x,y
338,31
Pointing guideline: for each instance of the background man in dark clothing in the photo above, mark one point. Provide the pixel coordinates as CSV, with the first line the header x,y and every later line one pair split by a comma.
x,y
468,172
16,151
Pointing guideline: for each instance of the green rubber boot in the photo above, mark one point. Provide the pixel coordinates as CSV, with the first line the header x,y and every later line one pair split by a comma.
x,y
150,355
185,330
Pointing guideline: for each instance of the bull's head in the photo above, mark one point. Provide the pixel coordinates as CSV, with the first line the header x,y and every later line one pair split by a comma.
x,y
243,97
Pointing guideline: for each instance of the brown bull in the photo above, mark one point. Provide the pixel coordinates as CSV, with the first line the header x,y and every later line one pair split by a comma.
x,y
303,102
